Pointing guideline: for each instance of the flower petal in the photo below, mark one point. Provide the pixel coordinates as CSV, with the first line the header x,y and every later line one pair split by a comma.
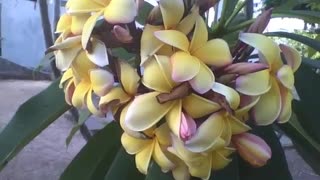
x,y
161,159
201,168
134,145
155,78
78,23
88,27
141,117
286,109
91,106
267,110
207,134
204,80
215,52
266,46
197,106
101,81
120,11
200,35
180,150
253,84
99,55
187,23
65,77
115,94
172,12
237,127
69,42
252,148
173,38
230,94
286,77
129,77
68,92
163,134
63,23
84,6
184,66
165,66
143,158
149,43
219,161
64,58
173,118
188,127
247,102
79,94
292,56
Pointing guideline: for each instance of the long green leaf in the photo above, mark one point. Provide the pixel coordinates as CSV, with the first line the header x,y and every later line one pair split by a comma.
x,y
276,168
94,160
123,167
155,173
303,39
311,62
144,12
30,119
309,16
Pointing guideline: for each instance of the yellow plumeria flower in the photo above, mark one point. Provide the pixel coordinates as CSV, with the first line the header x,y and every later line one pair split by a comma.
x,y
152,147
73,24
275,104
190,62
86,78
201,164
172,13
166,100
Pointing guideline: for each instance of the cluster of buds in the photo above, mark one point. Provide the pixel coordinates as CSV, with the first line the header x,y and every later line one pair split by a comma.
x,y
189,103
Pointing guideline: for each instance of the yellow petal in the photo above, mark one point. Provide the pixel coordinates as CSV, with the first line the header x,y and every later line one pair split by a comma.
x,y
207,134
201,168
82,65
66,43
63,23
134,145
237,127
129,77
161,159
64,58
253,84
116,93
155,78
219,161
78,22
268,48
120,11
173,118
286,77
197,106
165,66
181,172
180,150
215,52
204,79
88,27
102,2
286,110
91,106
145,111
80,93
292,56
173,38
187,23
230,94
226,134
65,77
149,43
68,92
246,104
99,55
184,66
143,158
84,6
101,81
163,134
267,110
172,12
200,35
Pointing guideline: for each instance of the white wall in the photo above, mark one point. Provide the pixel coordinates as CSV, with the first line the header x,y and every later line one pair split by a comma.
x,y
21,30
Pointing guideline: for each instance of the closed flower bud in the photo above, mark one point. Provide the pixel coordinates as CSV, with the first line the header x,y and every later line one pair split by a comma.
x,y
122,34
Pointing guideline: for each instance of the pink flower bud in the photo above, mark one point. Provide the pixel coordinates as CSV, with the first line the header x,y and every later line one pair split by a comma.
x,y
188,127
252,148
122,34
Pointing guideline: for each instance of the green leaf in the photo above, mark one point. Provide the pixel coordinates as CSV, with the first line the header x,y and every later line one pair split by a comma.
x,y
95,158
144,12
83,116
276,168
227,9
302,39
307,147
123,167
155,173
231,172
308,16
307,84
313,63
30,119
311,51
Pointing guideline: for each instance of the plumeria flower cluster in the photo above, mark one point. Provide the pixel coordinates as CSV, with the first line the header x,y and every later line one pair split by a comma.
x,y
190,103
